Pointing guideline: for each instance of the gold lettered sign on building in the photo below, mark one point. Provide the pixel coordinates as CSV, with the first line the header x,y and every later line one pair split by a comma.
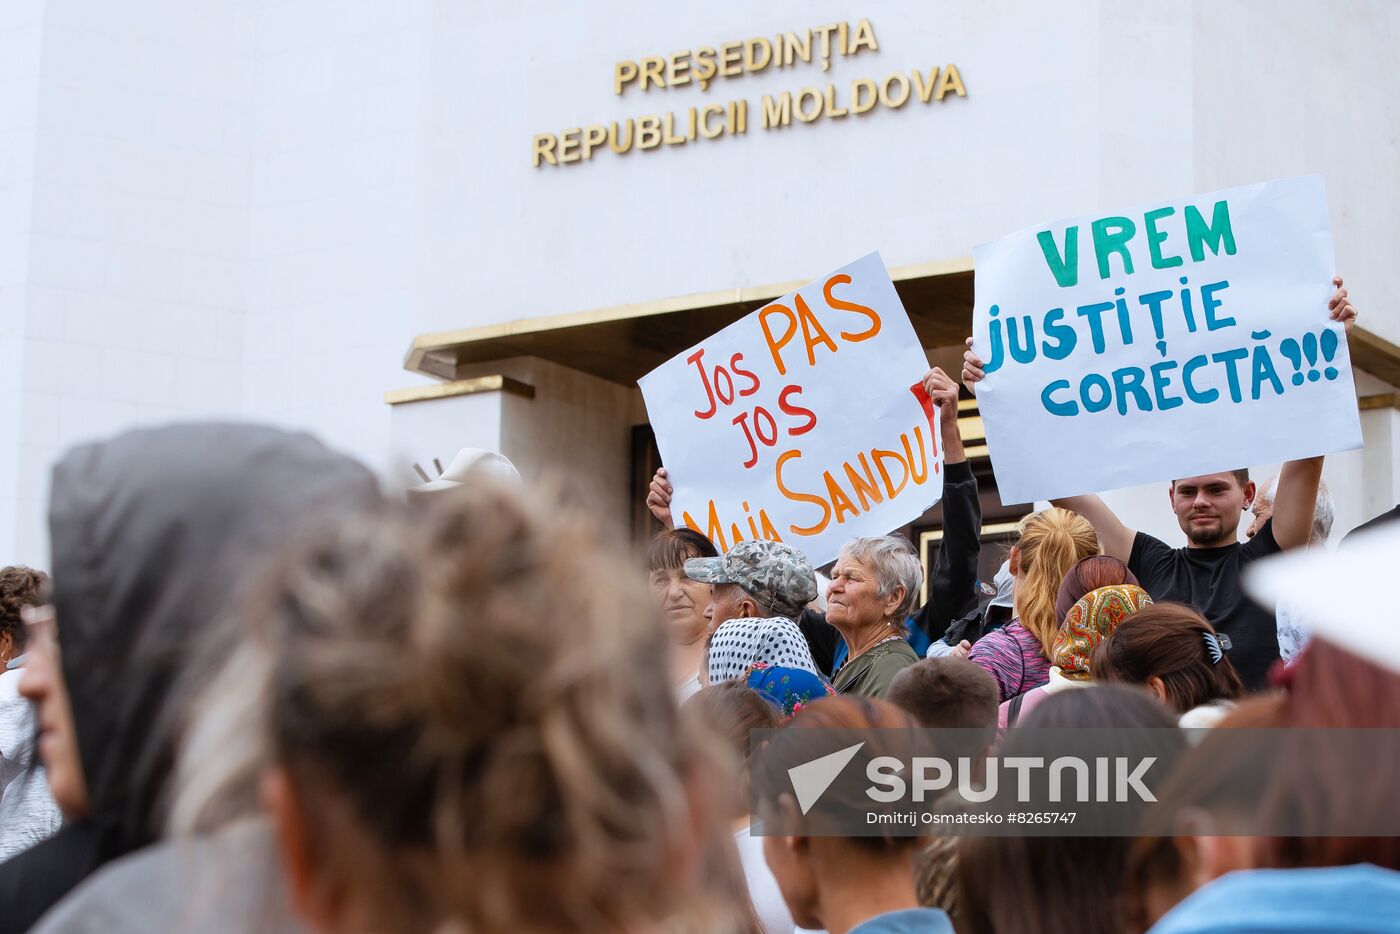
x,y
707,64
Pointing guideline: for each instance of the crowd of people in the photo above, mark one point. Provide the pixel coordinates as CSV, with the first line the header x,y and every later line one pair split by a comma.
x,y
256,692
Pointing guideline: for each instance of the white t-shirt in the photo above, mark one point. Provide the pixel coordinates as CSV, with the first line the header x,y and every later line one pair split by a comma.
x,y
27,812
688,688
1206,715
767,898
1293,630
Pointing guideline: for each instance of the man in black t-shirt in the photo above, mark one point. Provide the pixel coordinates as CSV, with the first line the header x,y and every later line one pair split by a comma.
x,y
1206,573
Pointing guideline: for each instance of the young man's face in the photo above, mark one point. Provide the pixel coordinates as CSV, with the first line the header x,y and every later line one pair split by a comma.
x,y
1208,507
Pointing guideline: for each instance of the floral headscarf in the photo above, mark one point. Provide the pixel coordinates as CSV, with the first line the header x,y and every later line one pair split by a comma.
x,y
788,689
1089,574
1091,620
740,644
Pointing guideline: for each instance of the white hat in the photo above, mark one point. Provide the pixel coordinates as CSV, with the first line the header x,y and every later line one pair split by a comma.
x,y
1335,591
468,461
1006,587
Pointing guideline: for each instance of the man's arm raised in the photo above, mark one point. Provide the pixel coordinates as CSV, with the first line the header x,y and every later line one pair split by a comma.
x,y
944,393
1115,537
952,583
1295,501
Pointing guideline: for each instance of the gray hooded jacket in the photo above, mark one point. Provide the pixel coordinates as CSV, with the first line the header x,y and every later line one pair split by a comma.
x,y
153,535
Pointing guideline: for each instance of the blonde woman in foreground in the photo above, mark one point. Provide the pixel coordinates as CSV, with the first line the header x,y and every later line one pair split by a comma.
x,y
441,759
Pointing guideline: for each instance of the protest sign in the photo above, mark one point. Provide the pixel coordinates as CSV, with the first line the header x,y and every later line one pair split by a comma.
x,y
804,422
1187,337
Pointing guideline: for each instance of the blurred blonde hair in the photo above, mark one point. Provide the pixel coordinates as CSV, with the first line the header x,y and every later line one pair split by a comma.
x,y
471,703
1051,542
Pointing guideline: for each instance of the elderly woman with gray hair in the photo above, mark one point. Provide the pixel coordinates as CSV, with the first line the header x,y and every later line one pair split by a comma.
x,y
874,585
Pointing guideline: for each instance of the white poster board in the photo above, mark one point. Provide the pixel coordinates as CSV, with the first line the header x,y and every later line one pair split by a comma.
x,y
1181,338
804,422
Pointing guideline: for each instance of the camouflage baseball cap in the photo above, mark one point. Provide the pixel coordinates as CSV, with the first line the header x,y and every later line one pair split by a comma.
x,y
771,572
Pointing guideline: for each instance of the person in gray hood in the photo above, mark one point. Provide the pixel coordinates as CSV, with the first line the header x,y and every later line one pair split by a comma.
x,y
152,534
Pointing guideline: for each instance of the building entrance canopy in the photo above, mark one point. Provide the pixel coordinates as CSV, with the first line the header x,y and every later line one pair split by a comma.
x,y
623,343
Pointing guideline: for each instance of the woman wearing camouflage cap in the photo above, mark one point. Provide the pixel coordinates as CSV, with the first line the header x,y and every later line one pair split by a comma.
x,y
757,590
756,579
873,588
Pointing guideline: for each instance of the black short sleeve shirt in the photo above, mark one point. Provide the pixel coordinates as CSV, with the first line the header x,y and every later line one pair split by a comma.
x,y
1209,580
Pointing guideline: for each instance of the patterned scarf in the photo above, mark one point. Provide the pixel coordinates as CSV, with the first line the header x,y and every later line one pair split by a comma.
x,y
1097,614
740,644
788,689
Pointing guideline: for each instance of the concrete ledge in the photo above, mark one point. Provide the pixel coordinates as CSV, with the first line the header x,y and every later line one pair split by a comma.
x,y
1384,400
624,342
460,387
1375,355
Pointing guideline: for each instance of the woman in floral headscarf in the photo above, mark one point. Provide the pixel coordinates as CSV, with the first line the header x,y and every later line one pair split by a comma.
x,y
740,644
1090,620
788,689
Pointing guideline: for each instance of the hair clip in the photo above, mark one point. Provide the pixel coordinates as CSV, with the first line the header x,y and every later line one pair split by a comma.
x,y
1214,649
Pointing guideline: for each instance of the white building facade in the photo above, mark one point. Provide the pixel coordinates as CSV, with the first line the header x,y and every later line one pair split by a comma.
x,y
249,209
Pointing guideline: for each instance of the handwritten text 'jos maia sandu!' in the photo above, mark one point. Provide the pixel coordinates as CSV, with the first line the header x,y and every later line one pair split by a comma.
x,y
872,476
733,59
1231,374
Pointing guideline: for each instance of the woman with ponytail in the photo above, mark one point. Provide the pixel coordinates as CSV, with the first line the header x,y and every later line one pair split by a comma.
x,y
1018,655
